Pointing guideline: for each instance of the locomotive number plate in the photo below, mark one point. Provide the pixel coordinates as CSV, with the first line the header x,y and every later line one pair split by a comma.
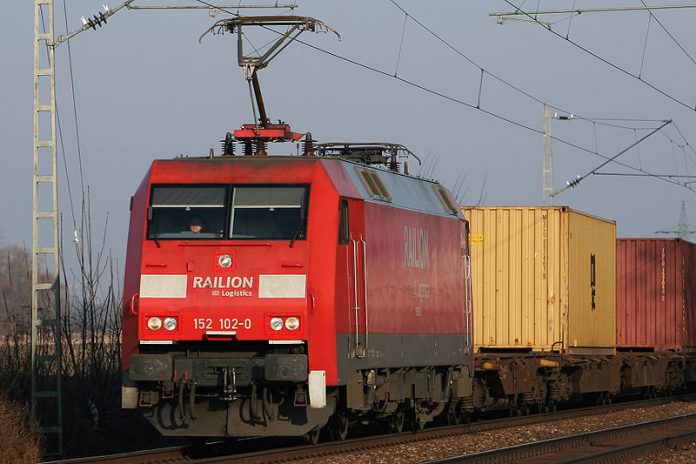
x,y
223,323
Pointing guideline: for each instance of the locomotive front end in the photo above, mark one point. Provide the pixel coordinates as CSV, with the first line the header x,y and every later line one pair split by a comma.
x,y
221,306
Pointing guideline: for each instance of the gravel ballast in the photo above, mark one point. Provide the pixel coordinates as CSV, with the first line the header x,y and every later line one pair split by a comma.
x,y
482,441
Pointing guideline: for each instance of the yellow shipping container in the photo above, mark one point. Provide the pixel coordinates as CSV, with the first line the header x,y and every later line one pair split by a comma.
x,y
544,278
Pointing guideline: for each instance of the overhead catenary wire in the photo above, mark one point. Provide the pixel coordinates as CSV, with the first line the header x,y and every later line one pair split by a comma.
x,y
401,44
77,125
60,130
669,34
492,114
570,23
489,113
497,77
637,174
578,179
645,46
483,70
463,103
604,60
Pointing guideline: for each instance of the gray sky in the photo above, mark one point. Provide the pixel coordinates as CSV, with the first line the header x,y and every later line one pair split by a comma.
x,y
146,89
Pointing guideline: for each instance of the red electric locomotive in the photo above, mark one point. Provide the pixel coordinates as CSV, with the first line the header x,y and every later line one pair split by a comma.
x,y
276,295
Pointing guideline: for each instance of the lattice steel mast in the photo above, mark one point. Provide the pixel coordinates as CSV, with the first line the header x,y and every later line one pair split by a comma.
x,y
45,286
682,230
547,168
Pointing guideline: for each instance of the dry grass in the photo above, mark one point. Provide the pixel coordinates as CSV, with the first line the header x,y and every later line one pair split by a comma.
x,y
19,439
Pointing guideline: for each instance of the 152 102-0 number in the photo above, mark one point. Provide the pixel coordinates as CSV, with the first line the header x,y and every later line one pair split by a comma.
x,y
223,323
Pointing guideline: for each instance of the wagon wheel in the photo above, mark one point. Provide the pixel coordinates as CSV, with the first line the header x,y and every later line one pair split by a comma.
x,y
312,436
397,420
525,410
514,408
339,426
515,405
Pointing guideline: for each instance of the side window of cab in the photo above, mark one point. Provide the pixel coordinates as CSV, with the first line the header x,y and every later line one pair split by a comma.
x,y
343,227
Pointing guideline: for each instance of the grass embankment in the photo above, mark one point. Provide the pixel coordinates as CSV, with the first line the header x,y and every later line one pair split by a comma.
x,y
19,439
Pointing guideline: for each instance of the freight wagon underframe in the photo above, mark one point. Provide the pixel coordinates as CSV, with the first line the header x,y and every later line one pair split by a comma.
x,y
541,380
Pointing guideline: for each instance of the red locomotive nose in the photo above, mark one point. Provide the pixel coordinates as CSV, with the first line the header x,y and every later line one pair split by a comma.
x,y
221,254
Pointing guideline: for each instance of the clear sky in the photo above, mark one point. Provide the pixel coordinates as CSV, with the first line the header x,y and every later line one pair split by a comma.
x,y
146,89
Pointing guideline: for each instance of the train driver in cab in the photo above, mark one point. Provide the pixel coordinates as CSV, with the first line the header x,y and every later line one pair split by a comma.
x,y
196,225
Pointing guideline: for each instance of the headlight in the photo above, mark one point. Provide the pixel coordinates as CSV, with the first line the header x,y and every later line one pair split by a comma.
x,y
170,323
276,323
292,323
154,323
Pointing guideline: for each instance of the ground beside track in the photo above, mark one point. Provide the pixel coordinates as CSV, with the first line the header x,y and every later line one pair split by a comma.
x,y
428,450
685,454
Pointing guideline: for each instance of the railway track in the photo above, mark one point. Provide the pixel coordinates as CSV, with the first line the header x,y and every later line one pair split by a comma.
x,y
224,454
612,445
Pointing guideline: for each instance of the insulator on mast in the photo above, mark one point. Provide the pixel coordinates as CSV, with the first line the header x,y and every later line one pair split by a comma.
x,y
248,148
261,148
308,145
228,145
393,164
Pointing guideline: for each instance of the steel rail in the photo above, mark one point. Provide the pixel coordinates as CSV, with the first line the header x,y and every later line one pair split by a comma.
x,y
589,447
196,454
620,454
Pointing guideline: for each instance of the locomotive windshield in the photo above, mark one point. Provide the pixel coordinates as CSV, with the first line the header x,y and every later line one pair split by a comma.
x,y
201,212
268,213
187,212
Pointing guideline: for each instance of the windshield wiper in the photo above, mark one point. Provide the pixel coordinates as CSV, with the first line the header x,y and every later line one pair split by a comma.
x,y
154,226
302,224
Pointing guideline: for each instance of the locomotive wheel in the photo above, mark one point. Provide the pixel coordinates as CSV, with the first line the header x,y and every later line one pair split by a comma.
x,y
397,420
339,426
454,414
414,424
312,436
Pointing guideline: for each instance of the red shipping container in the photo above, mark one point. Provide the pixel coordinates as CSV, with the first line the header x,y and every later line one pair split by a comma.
x,y
654,294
